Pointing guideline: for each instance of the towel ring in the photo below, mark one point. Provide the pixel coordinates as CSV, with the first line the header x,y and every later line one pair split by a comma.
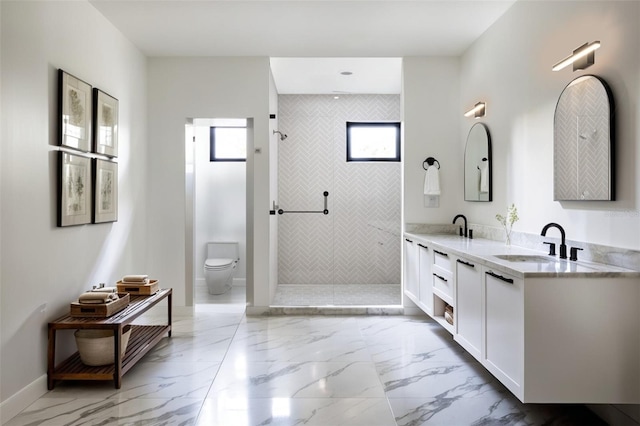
x,y
430,161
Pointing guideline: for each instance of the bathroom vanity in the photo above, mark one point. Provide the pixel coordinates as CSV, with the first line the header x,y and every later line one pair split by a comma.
x,y
551,330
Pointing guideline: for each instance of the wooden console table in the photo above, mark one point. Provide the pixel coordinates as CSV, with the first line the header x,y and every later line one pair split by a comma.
x,y
143,338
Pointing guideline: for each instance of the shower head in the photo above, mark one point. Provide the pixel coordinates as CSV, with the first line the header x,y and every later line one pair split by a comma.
x,y
282,135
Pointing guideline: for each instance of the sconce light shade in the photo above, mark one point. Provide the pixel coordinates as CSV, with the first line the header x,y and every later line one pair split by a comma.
x,y
478,110
581,58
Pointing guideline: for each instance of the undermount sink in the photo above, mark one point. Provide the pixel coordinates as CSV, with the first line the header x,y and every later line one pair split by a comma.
x,y
525,258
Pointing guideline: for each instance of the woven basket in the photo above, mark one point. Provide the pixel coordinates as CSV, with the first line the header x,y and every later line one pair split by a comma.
x,y
96,346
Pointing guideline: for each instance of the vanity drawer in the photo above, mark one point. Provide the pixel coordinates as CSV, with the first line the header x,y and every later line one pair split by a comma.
x,y
443,284
442,260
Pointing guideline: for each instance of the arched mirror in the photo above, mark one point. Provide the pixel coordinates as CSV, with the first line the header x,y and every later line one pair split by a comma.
x,y
583,142
477,165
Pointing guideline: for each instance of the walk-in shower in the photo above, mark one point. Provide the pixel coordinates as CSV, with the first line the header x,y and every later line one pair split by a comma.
x,y
342,248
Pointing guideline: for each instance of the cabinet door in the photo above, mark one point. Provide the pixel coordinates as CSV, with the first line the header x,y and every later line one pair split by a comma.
x,y
425,280
411,266
504,329
469,307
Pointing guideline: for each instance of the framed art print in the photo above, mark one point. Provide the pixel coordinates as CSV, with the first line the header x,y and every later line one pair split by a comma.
x,y
74,189
75,112
105,191
105,124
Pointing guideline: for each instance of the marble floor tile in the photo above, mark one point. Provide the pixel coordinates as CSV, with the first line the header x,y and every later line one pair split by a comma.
x,y
456,411
147,380
205,347
437,380
311,347
299,326
80,411
241,379
296,411
223,368
207,323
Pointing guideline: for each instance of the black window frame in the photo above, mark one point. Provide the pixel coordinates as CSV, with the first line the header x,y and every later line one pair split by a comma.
x,y
212,145
352,124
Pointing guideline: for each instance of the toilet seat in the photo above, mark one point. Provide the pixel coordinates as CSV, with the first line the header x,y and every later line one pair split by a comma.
x,y
218,264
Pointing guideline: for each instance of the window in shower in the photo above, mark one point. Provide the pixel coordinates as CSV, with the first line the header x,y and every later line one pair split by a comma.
x,y
228,143
378,141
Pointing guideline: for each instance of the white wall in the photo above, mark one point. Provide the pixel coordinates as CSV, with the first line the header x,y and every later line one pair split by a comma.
x,y
205,87
220,202
509,67
44,267
430,111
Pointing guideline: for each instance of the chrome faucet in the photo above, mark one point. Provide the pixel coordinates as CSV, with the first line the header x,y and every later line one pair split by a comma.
x,y
563,246
465,222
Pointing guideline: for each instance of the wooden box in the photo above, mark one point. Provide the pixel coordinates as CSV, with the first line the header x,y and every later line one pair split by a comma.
x,y
99,310
138,289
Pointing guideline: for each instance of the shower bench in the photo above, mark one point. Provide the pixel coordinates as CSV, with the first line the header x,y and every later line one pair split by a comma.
x,y
143,338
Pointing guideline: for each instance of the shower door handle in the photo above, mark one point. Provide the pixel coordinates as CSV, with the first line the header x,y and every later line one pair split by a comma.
x,y
325,211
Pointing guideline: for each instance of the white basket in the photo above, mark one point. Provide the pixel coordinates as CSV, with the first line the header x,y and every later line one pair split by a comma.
x,y
96,346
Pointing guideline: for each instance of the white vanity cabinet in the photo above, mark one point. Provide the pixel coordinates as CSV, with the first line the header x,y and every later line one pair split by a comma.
x,y
503,322
469,303
411,270
425,278
552,331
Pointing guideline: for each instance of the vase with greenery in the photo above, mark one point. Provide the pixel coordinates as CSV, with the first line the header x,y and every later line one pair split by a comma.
x,y
508,221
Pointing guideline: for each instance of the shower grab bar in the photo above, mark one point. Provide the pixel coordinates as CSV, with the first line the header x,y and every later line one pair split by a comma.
x,y
325,211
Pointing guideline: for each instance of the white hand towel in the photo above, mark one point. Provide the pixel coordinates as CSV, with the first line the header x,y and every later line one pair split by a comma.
x,y
95,297
484,176
432,181
131,278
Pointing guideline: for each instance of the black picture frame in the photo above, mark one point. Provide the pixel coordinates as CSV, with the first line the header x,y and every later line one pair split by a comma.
x,y
105,123
74,189
74,112
105,190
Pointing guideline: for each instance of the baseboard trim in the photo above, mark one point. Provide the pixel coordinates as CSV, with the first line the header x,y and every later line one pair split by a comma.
x,y
26,396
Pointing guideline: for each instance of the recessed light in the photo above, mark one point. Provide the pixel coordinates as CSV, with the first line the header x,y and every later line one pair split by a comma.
x,y
336,97
346,73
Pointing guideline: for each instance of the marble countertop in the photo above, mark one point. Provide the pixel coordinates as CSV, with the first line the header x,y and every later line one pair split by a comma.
x,y
540,265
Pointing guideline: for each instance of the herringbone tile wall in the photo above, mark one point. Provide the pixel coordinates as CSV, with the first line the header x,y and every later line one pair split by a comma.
x,y
359,241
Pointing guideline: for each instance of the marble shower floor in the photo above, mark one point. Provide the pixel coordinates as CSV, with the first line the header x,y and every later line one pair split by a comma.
x,y
223,368
337,295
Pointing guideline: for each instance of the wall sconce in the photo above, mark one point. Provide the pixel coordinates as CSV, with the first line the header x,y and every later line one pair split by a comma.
x,y
478,110
581,58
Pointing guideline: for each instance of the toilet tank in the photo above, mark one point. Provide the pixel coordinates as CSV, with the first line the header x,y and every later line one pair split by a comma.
x,y
223,250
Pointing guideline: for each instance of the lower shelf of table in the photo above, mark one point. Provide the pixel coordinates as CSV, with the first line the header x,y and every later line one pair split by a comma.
x,y
143,338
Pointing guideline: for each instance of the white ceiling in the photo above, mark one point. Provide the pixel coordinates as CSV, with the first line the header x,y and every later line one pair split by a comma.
x,y
304,29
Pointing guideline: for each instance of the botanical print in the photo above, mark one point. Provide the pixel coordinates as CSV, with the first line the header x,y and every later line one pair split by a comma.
x,y
106,181
74,119
74,180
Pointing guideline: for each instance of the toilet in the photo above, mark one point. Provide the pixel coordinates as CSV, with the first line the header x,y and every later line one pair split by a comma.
x,y
222,260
